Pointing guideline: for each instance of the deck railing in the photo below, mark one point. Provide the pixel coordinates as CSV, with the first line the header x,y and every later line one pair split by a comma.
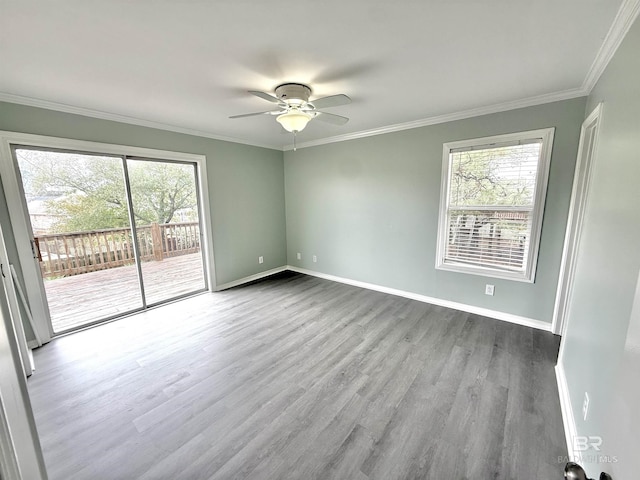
x,y
68,254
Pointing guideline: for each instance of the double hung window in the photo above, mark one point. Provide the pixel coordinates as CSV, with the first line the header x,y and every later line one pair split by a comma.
x,y
492,201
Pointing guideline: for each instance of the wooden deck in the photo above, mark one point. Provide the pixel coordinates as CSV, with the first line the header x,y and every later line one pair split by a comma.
x,y
82,299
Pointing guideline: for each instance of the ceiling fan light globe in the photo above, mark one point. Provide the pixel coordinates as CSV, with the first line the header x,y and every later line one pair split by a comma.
x,y
294,120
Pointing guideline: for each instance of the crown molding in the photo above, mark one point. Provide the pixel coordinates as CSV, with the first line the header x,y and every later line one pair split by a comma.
x,y
450,117
625,17
87,112
627,14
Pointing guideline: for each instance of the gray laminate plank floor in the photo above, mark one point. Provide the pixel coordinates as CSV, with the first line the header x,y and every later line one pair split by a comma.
x,y
296,377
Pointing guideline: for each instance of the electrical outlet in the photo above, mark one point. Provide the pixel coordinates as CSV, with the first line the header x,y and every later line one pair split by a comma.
x,y
585,406
315,259
260,259
489,289
299,256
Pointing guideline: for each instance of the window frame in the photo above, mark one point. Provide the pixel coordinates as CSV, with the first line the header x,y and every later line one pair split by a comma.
x,y
542,178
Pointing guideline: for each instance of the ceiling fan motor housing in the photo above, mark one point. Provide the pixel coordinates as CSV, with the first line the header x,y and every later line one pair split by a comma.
x,y
293,93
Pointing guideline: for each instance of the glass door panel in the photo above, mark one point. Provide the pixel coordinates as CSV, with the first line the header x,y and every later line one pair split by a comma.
x,y
78,210
164,197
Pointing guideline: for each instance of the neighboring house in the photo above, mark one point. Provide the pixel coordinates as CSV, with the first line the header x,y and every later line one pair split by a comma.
x,y
42,220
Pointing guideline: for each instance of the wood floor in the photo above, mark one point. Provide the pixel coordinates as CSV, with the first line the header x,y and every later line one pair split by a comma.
x,y
81,299
300,378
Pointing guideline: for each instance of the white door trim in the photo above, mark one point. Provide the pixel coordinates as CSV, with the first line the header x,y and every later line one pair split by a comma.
x,y
20,449
23,235
579,196
20,216
14,308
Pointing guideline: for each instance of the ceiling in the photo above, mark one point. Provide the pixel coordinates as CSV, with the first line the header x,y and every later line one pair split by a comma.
x,y
187,65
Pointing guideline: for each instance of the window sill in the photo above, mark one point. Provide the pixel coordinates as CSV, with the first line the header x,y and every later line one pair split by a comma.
x,y
526,277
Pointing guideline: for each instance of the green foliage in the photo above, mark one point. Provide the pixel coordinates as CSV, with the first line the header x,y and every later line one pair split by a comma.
x,y
160,189
90,192
503,176
86,213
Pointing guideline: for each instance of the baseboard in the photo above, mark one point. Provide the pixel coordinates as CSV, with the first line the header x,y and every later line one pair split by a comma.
x,y
568,419
485,312
250,278
32,344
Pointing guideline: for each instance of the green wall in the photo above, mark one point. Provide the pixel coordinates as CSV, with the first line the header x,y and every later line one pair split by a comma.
x,y
599,329
368,209
246,184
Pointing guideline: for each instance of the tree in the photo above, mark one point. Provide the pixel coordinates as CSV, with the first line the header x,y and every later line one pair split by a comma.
x,y
88,191
161,189
502,176
491,196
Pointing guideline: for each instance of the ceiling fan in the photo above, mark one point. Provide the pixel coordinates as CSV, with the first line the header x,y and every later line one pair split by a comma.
x,y
295,108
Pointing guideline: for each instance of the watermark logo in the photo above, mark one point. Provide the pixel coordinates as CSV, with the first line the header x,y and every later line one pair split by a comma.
x,y
584,443
602,459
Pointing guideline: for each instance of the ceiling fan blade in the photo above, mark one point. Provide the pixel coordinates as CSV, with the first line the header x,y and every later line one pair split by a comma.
x,y
331,118
270,112
331,101
266,96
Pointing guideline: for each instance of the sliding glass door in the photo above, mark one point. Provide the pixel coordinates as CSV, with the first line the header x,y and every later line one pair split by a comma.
x,y
167,222
114,234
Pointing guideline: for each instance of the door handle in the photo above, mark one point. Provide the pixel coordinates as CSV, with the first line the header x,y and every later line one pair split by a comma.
x,y
35,249
573,471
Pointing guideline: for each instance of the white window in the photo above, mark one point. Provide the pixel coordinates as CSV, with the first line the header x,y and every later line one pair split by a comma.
x,y
491,205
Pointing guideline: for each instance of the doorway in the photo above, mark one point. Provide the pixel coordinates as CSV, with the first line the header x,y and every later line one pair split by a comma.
x,y
112,232
579,198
